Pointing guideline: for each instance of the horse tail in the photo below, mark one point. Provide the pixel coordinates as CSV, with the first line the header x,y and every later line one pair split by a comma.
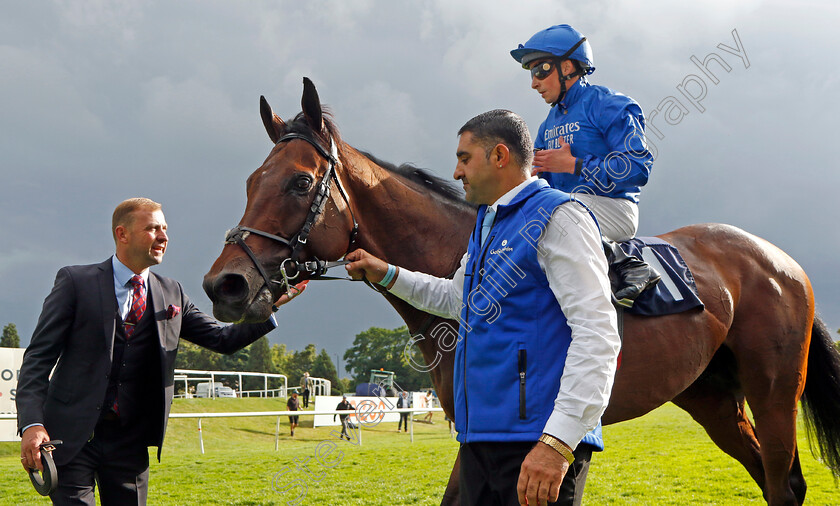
x,y
821,399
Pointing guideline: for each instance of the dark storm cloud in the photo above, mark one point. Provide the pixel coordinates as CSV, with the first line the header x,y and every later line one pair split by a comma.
x,y
106,100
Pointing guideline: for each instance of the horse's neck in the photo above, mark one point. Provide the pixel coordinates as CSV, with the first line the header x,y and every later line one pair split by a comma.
x,y
416,229
407,225
410,227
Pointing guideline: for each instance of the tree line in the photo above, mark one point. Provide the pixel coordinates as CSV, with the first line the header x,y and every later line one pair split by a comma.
x,y
391,350
375,348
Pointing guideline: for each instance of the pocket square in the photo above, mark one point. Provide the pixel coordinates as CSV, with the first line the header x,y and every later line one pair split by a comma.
x,y
172,311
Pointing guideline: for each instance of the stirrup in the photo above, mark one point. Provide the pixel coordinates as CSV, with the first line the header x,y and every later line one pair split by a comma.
x,y
627,302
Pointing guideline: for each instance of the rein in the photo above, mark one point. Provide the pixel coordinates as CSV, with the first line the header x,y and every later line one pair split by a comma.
x,y
316,268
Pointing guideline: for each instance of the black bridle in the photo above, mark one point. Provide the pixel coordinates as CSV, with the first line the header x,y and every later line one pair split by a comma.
x,y
315,268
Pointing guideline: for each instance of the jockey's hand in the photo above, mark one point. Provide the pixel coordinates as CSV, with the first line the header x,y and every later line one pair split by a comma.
x,y
554,160
296,290
363,264
540,476
30,451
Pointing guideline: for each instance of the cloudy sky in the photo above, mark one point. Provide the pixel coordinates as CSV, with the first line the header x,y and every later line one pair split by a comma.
x,y
105,100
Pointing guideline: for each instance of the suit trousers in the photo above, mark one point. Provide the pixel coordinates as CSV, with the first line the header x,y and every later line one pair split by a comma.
x,y
403,422
116,460
489,473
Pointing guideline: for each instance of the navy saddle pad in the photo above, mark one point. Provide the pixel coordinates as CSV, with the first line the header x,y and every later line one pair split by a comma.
x,y
676,291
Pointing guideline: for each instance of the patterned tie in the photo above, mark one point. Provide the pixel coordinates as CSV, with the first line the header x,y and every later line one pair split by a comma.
x,y
138,305
487,224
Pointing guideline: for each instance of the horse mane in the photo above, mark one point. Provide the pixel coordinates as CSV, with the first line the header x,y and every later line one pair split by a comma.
x,y
423,177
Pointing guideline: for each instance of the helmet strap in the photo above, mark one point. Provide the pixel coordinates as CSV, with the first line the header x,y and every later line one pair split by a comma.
x,y
564,78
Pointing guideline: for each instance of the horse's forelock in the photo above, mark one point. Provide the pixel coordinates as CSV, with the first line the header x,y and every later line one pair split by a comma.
x,y
299,125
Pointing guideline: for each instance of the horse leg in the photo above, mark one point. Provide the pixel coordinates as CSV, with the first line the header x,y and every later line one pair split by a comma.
x,y
797,480
722,414
452,496
775,422
776,430
771,365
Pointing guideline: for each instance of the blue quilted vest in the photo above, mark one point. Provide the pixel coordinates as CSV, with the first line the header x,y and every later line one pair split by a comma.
x,y
513,337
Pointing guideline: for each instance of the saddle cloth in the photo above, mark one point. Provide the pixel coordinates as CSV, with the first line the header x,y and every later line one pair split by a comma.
x,y
676,291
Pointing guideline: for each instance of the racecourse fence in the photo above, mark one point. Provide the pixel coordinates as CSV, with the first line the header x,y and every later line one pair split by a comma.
x,y
210,377
366,417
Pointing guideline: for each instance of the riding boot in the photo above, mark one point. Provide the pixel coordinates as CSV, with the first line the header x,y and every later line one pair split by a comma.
x,y
632,276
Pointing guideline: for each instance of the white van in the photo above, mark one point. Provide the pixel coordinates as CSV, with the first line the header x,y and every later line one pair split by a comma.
x,y
219,390
223,391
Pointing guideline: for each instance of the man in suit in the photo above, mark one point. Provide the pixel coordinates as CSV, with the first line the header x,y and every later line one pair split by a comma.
x,y
304,389
343,405
403,402
111,331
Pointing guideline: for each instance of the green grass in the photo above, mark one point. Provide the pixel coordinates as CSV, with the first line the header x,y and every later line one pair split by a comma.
x,y
663,458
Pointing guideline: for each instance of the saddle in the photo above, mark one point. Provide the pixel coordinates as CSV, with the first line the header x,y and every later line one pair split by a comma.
x,y
629,275
649,277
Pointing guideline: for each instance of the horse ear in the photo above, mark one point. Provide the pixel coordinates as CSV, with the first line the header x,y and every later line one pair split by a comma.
x,y
311,105
273,124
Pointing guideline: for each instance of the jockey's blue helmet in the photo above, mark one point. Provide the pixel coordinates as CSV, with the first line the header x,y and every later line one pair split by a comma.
x,y
559,42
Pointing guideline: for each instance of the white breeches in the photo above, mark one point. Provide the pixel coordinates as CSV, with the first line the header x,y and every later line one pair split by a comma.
x,y
617,218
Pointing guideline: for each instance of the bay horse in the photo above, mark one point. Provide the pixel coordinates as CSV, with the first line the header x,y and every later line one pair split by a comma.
x,y
757,341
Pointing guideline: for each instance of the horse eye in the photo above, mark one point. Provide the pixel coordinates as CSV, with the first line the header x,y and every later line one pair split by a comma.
x,y
302,183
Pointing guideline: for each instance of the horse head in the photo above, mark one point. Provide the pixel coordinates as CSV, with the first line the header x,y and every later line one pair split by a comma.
x,y
292,217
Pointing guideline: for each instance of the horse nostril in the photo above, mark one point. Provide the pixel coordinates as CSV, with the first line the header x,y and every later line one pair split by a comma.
x,y
231,287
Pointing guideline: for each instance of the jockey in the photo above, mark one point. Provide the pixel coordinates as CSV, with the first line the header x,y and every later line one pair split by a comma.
x,y
591,145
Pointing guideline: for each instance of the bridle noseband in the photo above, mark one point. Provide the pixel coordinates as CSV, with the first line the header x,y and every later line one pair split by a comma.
x,y
315,268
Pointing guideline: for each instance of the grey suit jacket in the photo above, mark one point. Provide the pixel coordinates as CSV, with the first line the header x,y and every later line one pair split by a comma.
x,y
75,333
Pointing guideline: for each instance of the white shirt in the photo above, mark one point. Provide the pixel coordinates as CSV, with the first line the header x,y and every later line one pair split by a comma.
x,y
576,270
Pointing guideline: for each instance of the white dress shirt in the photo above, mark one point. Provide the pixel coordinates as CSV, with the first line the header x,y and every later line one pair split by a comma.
x,y
576,270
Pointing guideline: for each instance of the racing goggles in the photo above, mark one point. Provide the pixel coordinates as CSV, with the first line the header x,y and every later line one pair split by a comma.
x,y
542,70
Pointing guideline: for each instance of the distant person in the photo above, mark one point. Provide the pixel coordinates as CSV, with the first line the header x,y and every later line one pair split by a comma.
x,y
305,383
111,331
430,403
344,404
293,404
403,402
591,145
